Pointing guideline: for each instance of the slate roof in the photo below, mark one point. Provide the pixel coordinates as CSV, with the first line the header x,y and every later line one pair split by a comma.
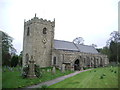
x,y
70,46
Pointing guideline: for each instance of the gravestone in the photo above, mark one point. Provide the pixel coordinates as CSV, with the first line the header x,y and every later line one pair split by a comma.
x,y
43,70
81,69
48,70
31,72
63,67
53,70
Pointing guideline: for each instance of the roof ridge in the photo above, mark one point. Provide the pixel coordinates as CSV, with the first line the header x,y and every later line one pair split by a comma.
x,y
63,41
72,42
84,45
67,45
77,47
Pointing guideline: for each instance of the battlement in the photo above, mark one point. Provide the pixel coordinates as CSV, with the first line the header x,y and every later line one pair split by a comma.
x,y
41,21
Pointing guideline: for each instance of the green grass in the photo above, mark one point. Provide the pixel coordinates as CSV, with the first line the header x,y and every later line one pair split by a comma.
x,y
91,79
0,77
14,80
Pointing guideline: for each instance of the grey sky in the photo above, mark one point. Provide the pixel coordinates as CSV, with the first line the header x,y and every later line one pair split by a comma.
x,y
93,20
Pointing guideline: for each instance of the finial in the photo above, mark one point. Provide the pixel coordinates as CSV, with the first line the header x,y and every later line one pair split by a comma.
x,y
35,14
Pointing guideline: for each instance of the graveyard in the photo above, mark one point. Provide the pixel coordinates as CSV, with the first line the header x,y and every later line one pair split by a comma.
x,y
102,77
106,77
12,77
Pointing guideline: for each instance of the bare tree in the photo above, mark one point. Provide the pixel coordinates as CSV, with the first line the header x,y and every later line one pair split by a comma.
x,y
94,45
115,36
78,40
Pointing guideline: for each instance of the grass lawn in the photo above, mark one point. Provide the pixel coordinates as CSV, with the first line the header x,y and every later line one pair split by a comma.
x,y
0,77
13,79
106,77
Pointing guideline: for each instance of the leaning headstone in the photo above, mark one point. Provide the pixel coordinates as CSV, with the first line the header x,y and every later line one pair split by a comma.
x,y
63,67
53,70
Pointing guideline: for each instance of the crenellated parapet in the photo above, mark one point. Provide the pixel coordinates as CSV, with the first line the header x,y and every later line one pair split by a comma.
x,y
40,21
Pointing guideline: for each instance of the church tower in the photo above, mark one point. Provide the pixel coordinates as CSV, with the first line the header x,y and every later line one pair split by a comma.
x,y
38,41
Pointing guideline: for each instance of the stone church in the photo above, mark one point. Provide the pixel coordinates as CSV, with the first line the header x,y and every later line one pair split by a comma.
x,y
40,45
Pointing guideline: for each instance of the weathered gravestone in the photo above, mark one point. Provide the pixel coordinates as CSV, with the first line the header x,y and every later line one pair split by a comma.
x,y
81,68
48,70
53,70
63,67
31,72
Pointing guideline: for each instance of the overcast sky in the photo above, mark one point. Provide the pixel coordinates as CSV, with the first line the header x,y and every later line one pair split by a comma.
x,y
93,20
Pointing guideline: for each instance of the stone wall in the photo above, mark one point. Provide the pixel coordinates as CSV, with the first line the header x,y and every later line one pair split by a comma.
x,y
85,59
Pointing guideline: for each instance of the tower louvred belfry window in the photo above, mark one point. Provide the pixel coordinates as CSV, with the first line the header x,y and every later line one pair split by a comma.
x,y
28,31
45,30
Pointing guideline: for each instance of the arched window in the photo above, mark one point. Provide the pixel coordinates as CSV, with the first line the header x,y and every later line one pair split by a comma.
x,y
54,60
45,30
28,31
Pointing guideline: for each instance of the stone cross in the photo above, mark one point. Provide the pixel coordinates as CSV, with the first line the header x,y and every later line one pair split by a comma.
x,y
31,72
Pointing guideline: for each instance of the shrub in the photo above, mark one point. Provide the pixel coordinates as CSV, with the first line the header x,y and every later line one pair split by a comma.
x,y
84,68
14,61
101,77
25,71
44,86
115,71
37,71
103,74
111,70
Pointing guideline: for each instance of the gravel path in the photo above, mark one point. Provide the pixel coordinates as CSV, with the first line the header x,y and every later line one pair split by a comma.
x,y
48,83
